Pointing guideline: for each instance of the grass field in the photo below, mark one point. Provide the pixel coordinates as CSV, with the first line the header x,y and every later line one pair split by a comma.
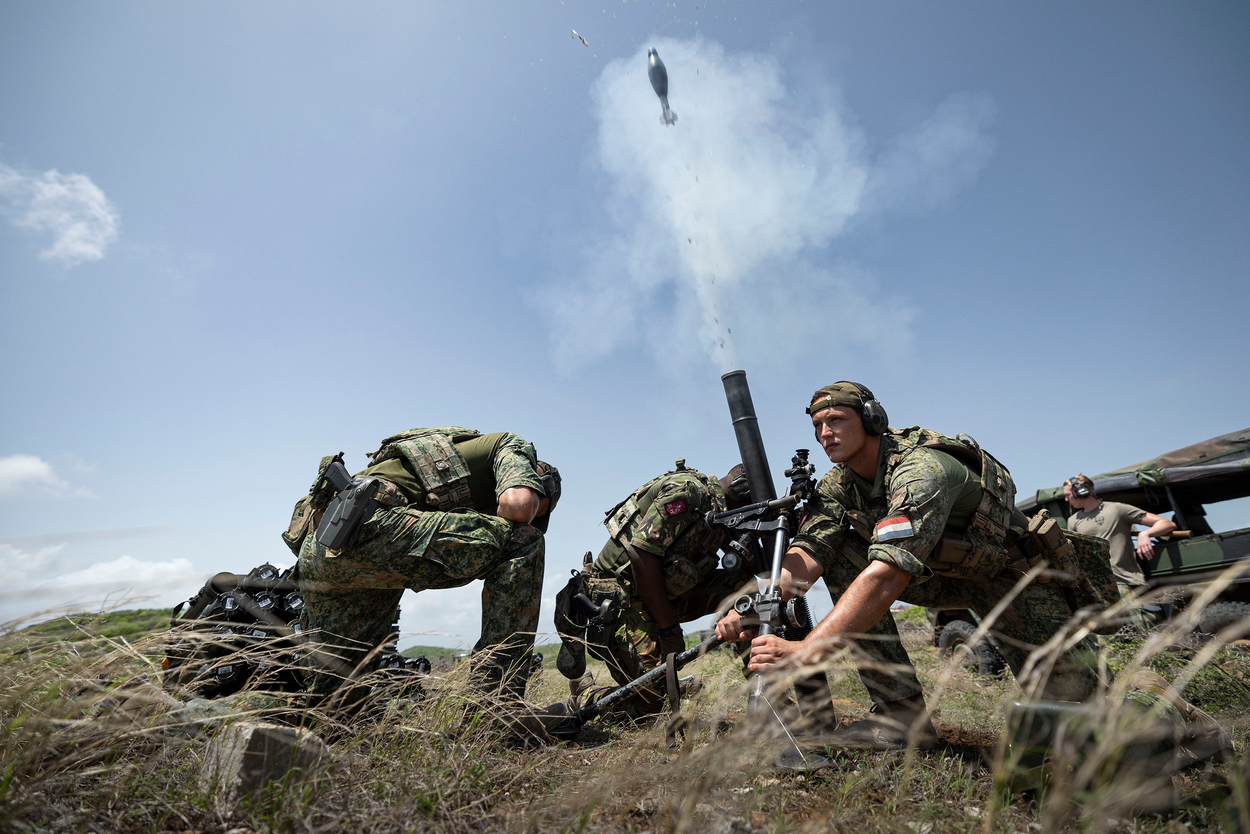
x,y
71,760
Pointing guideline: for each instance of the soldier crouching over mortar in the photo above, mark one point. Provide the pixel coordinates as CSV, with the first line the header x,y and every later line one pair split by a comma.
x,y
438,508
917,516
658,569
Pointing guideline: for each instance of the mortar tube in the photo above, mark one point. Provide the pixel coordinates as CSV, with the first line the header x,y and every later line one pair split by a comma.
x,y
747,431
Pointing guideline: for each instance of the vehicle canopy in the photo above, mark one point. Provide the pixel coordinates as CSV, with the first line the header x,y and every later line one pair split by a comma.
x,y
1181,482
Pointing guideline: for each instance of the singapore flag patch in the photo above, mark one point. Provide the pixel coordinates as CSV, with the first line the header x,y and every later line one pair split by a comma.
x,y
898,527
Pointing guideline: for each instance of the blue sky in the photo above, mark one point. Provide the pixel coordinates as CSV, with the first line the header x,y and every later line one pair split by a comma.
x,y
236,237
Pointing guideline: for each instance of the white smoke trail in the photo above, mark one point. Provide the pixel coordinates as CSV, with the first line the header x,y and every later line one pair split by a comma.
x,y
719,217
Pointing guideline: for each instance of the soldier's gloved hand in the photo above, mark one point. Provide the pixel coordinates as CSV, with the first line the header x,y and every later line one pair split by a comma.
x,y
671,640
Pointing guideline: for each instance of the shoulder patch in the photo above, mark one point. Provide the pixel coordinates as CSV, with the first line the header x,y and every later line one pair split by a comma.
x,y
898,527
675,507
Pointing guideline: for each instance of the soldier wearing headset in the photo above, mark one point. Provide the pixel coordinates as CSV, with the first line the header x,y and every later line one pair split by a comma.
x,y
906,514
1113,521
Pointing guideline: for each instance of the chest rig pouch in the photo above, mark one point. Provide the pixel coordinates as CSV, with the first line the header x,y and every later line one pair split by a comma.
x,y
980,550
432,454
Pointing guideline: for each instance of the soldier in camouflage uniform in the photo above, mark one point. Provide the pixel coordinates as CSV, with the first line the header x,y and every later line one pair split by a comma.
x,y
456,506
661,568
916,516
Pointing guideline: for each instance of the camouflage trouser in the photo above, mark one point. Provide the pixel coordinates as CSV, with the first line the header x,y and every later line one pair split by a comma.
x,y
1032,618
632,647
350,598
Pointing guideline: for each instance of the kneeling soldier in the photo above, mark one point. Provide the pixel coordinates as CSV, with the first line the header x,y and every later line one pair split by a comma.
x,y
658,569
454,506
916,516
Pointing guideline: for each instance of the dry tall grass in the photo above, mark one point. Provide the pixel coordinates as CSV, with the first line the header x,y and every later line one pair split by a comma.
x,y
88,744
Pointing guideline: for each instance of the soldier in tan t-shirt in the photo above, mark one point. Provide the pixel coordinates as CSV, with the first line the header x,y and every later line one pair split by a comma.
x,y
1114,522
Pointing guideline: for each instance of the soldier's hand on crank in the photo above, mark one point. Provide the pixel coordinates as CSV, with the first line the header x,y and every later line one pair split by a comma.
x,y
731,630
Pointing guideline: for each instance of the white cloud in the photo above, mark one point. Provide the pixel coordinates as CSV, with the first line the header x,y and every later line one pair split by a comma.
x,y
81,220
35,584
29,475
720,218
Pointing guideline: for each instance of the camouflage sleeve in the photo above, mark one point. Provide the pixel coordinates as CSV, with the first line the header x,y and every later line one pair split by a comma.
x,y
825,525
516,464
919,504
675,508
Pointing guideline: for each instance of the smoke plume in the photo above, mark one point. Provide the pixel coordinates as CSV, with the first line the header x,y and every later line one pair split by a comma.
x,y
723,222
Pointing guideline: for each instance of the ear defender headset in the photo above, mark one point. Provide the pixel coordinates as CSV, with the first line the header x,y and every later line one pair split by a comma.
x,y
1079,487
871,413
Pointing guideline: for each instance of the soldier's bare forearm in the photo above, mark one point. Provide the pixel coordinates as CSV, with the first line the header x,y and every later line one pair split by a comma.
x,y
649,580
519,504
867,600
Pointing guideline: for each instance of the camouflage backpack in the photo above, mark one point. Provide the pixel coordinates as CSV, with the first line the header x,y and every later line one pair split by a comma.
x,y
688,557
981,551
624,513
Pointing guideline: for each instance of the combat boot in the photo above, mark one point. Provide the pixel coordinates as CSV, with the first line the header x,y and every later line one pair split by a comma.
x,y
577,688
536,726
912,717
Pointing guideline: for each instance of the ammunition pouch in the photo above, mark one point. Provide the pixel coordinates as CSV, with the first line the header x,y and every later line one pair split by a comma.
x,y
432,455
968,558
680,575
303,519
1053,546
390,495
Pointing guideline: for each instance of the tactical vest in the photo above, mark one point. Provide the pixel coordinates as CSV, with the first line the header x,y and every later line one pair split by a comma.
x,y
439,467
980,551
680,573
